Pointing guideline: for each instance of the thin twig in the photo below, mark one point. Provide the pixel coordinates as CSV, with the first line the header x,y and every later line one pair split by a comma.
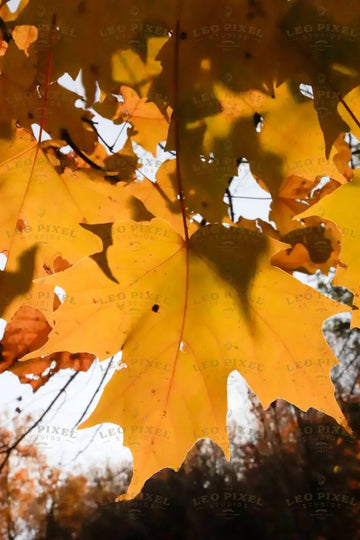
x,y
231,207
252,198
66,137
172,152
85,447
19,439
339,355
99,136
94,394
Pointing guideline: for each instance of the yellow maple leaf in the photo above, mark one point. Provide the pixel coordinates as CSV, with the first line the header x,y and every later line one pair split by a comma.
x,y
82,36
287,157
48,105
185,315
285,153
150,125
323,38
41,216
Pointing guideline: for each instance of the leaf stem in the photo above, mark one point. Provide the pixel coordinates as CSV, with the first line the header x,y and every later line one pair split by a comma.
x,y
47,77
177,134
183,211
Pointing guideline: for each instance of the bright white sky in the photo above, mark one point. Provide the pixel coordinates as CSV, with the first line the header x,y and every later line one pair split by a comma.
x,y
13,5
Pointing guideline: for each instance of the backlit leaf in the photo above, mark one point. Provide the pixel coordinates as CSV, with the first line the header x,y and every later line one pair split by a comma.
x,y
219,305
41,217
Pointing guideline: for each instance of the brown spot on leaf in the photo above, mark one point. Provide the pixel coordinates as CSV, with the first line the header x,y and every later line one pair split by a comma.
x,y
21,225
47,269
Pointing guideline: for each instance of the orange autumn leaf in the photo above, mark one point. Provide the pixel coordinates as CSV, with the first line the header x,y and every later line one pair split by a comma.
x,y
24,36
315,245
28,330
38,371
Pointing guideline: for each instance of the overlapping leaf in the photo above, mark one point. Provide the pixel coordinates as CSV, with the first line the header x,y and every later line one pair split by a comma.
x,y
82,36
325,44
209,150
342,207
150,126
26,331
41,216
